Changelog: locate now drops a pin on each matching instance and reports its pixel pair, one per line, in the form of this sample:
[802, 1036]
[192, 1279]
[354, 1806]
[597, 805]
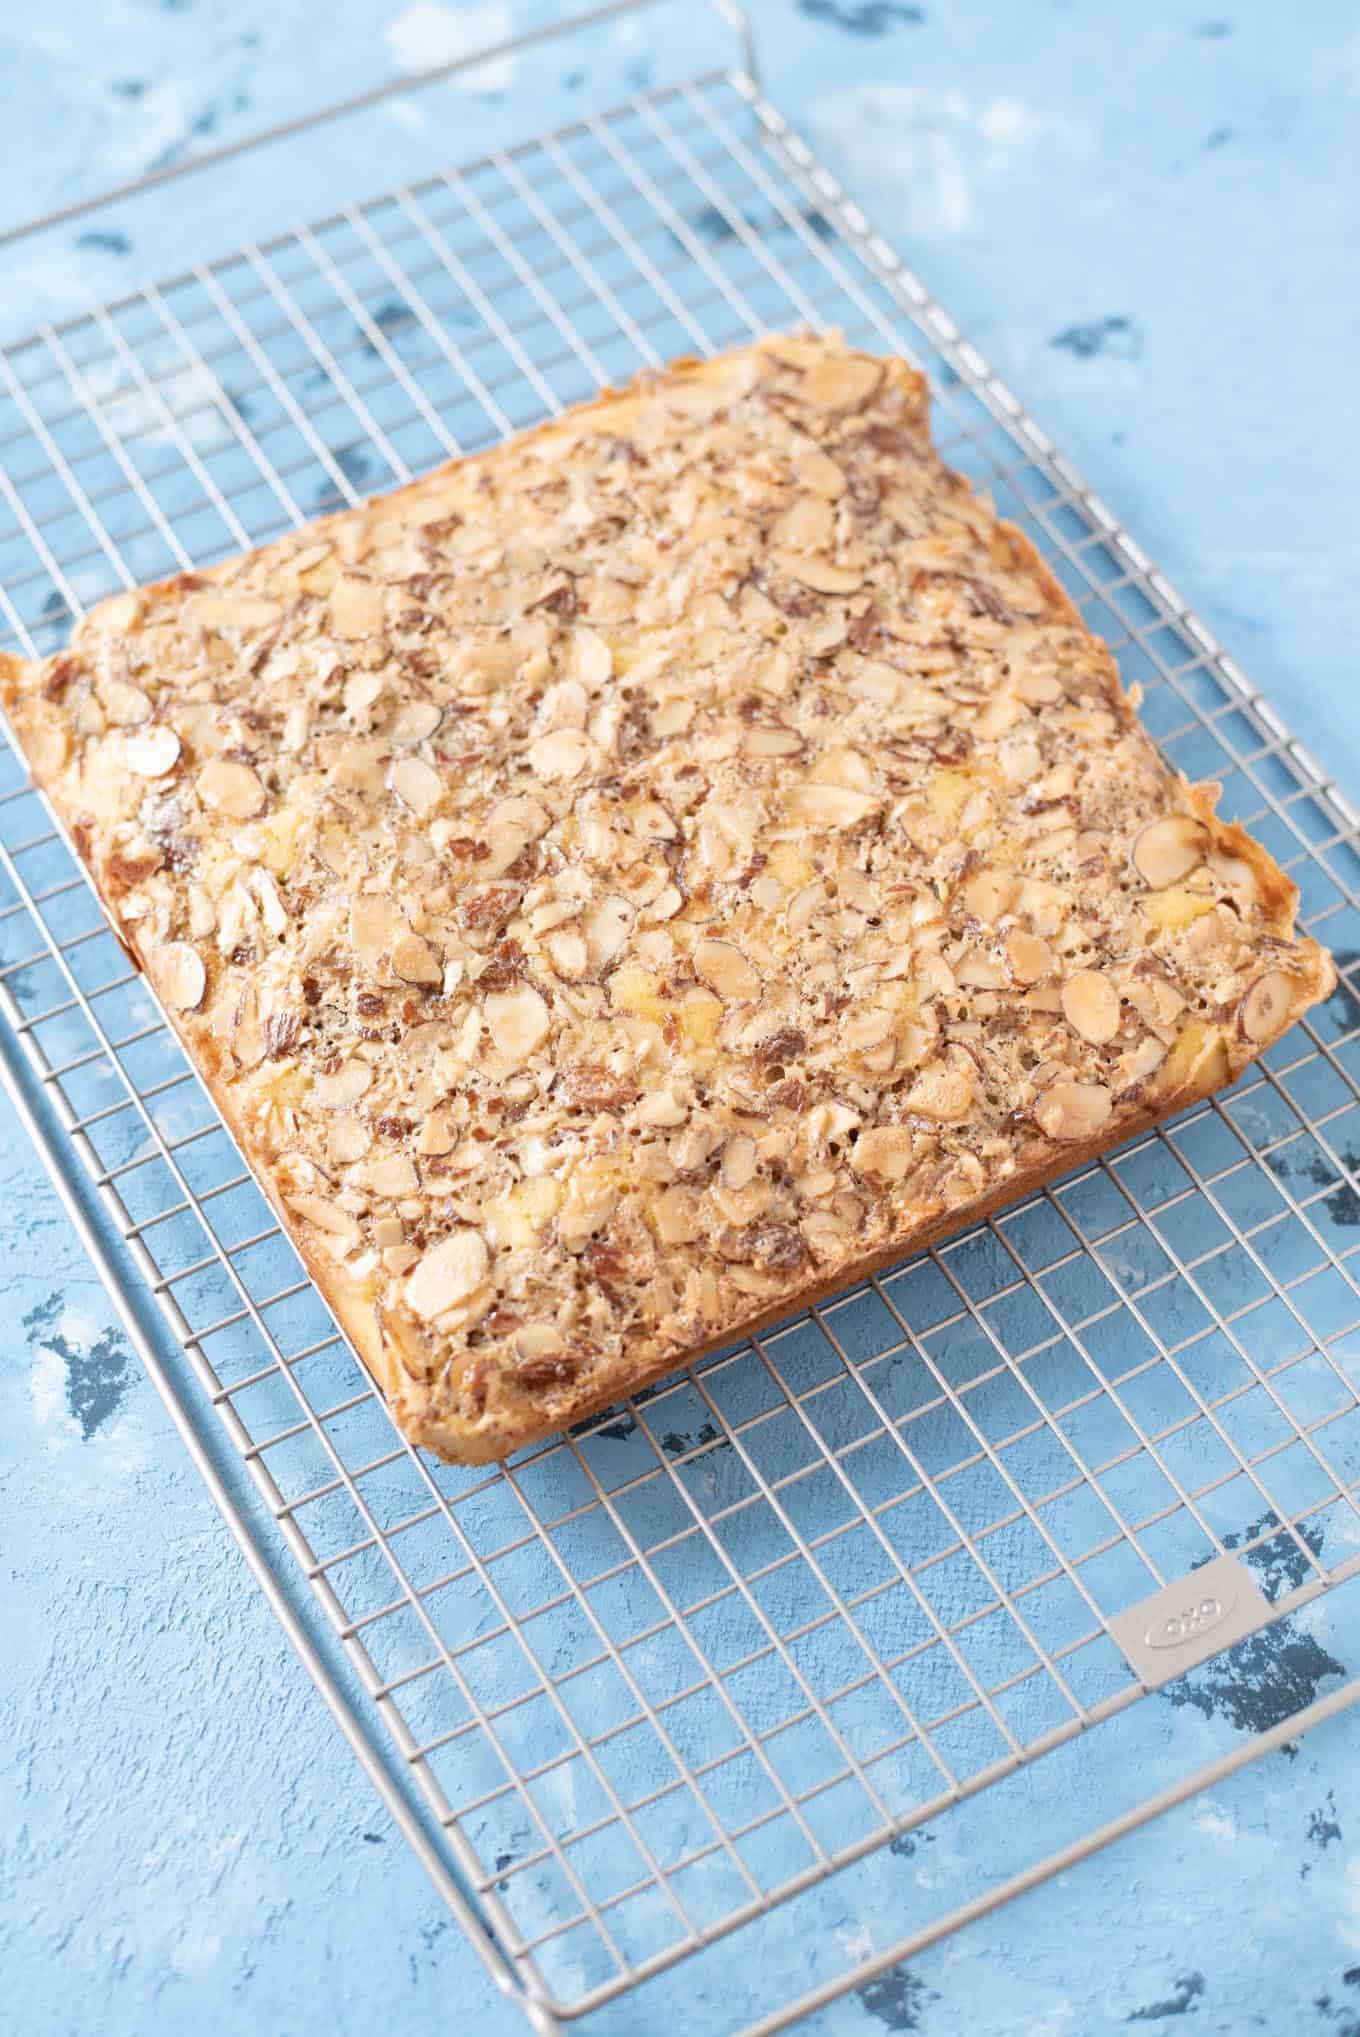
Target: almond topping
[945, 1088]
[221, 609]
[987, 894]
[357, 607]
[326, 1216]
[1029, 958]
[739, 1161]
[1073, 1110]
[338, 1091]
[725, 969]
[414, 722]
[883, 1152]
[567, 952]
[230, 788]
[1090, 1005]
[125, 705]
[823, 576]
[830, 806]
[449, 1272]
[152, 752]
[1167, 850]
[416, 783]
[562, 753]
[1266, 1006]
[677, 1215]
[843, 382]
[607, 926]
[415, 961]
[517, 1020]
[178, 975]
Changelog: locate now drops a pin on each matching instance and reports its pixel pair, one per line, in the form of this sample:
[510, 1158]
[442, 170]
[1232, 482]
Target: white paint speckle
[927, 151]
[428, 33]
[1214, 1823]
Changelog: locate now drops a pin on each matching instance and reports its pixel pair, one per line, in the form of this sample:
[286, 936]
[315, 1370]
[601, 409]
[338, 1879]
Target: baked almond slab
[633, 882]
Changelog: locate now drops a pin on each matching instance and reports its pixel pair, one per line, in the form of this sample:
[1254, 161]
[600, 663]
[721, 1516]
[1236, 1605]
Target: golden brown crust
[626, 887]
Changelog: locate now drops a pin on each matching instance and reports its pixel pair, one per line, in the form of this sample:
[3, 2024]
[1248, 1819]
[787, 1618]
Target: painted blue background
[1152, 234]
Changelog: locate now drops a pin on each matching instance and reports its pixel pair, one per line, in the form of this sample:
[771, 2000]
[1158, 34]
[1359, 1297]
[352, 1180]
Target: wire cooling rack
[684, 1684]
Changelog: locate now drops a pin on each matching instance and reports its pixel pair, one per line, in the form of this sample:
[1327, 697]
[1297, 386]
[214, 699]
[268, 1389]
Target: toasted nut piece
[230, 788]
[392, 1175]
[415, 961]
[124, 705]
[538, 1340]
[374, 923]
[1073, 1110]
[326, 1216]
[823, 576]
[152, 752]
[1029, 958]
[677, 1215]
[449, 1272]
[219, 608]
[562, 753]
[347, 1139]
[725, 969]
[178, 975]
[807, 525]
[945, 1088]
[883, 1152]
[739, 1161]
[1090, 1005]
[606, 927]
[516, 1019]
[987, 894]
[415, 721]
[1266, 1006]
[844, 382]
[819, 472]
[1038, 689]
[830, 806]
[349, 1082]
[361, 690]
[567, 952]
[1167, 850]
[416, 783]
[357, 607]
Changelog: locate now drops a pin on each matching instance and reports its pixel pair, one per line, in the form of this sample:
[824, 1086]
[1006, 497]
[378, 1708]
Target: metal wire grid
[659, 1677]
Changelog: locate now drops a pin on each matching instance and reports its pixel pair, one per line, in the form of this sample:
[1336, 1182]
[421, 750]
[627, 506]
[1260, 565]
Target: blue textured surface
[1154, 244]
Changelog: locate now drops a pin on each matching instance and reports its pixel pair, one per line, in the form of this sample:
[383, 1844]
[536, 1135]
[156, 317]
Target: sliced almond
[1168, 850]
[415, 721]
[1028, 958]
[562, 753]
[987, 894]
[841, 382]
[152, 752]
[945, 1089]
[221, 608]
[231, 788]
[819, 472]
[362, 689]
[739, 1161]
[415, 961]
[1073, 1110]
[606, 927]
[392, 1175]
[124, 705]
[347, 1139]
[416, 783]
[677, 1215]
[357, 607]
[807, 525]
[178, 975]
[449, 1272]
[822, 575]
[374, 924]
[883, 1152]
[436, 1135]
[725, 969]
[1090, 1005]
[830, 806]
[339, 1091]
[326, 1216]
[273, 911]
[567, 952]
[1038, 689]
[1266, 1006]
[517, 1020]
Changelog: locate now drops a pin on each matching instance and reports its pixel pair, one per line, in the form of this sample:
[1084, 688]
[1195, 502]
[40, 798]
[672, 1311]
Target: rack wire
[667, 1685]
